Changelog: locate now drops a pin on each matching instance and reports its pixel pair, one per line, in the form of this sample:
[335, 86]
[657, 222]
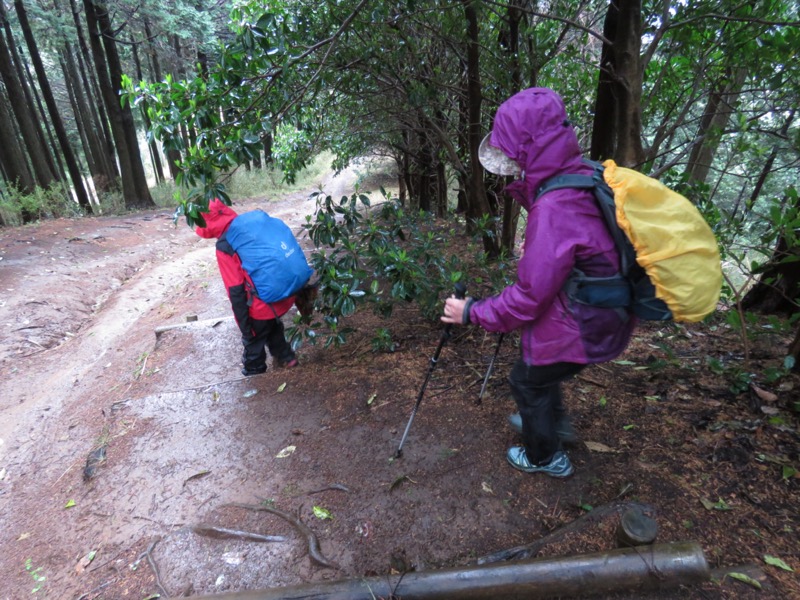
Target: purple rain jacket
[565, 230]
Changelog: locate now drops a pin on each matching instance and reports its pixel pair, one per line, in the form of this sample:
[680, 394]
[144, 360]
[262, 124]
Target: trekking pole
[491, 368]
[460, 293]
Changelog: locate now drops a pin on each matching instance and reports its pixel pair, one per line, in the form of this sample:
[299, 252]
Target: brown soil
[184, 436]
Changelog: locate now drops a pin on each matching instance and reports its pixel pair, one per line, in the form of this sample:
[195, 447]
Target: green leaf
[69, 504]
[745, 579]
[718, 505]
[322, 513]
[777, 562]
[282, 387]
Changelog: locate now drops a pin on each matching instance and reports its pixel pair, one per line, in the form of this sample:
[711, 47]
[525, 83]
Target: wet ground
[136, 462]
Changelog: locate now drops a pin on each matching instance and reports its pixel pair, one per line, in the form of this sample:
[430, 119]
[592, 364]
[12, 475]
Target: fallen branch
[590, 518]
[314, 551]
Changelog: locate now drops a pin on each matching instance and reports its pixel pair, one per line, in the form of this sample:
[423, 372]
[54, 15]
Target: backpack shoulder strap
[573, 180]
[605, 200]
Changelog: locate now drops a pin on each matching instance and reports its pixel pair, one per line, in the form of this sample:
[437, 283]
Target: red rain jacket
[236, 280]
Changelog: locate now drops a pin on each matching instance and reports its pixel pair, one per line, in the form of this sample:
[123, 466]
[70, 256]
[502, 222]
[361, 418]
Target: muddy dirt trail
[112, 437]
[139, 465]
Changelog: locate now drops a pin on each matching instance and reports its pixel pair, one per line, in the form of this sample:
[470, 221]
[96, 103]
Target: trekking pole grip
[461, 291]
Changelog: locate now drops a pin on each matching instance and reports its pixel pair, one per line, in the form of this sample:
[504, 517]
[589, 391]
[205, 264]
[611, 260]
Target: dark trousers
[537, 391]
[269, 335]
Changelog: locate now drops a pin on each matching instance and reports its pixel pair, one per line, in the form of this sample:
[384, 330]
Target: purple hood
[564, 231]
[532, 128]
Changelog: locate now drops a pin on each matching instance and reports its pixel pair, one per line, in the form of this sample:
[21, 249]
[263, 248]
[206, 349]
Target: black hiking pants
[269, 335]
[537, 391]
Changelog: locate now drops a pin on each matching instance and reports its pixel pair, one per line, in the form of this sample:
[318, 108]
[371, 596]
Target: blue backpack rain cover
[270, 254]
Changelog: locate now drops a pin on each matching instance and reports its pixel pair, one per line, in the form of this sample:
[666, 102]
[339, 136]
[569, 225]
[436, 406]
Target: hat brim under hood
[495, 161]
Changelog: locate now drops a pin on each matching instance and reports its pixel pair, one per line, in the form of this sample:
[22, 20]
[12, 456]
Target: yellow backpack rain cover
[673, 243]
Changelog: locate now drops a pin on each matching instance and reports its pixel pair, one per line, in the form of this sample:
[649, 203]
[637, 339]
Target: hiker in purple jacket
[532, 140]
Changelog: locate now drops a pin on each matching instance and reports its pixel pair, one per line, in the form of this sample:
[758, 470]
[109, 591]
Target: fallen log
[593, 517]
[657, 567]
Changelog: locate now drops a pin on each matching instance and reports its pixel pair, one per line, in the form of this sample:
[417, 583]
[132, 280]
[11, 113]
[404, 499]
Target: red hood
[217, 219]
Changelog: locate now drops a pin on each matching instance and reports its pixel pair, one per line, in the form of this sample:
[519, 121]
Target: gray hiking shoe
[560, 466]
[564, 429]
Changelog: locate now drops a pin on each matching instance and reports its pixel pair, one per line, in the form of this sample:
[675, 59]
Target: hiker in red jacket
[258, 321]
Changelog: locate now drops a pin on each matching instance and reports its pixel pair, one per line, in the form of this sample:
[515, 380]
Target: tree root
[149, 554]
[222, 533]
[314, 551]
[590, 518]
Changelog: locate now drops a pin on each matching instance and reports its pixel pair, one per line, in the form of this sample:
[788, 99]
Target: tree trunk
[794, 350]
[477, 202]
[55, 115]
[721, 105]
[511, 208]
[617, 130]
[767, 168]
[628, 84]
[109, 73]
[92, 144]
[37, 152]
[778, 286]
[12, 156]
[173, 154]
[605, 108]
[441, 190]
[99, 120]
[39, 115]
[155, 155]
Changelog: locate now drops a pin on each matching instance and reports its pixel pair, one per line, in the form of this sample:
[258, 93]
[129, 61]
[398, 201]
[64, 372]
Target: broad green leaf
[69, 504]
[777, 562]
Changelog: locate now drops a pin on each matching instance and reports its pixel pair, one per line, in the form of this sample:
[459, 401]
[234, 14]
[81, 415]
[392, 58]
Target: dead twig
[314, 551]
[333, 486]
[590, 380]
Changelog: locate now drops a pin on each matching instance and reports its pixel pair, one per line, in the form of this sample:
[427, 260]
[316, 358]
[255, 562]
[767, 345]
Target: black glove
[465, 315]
